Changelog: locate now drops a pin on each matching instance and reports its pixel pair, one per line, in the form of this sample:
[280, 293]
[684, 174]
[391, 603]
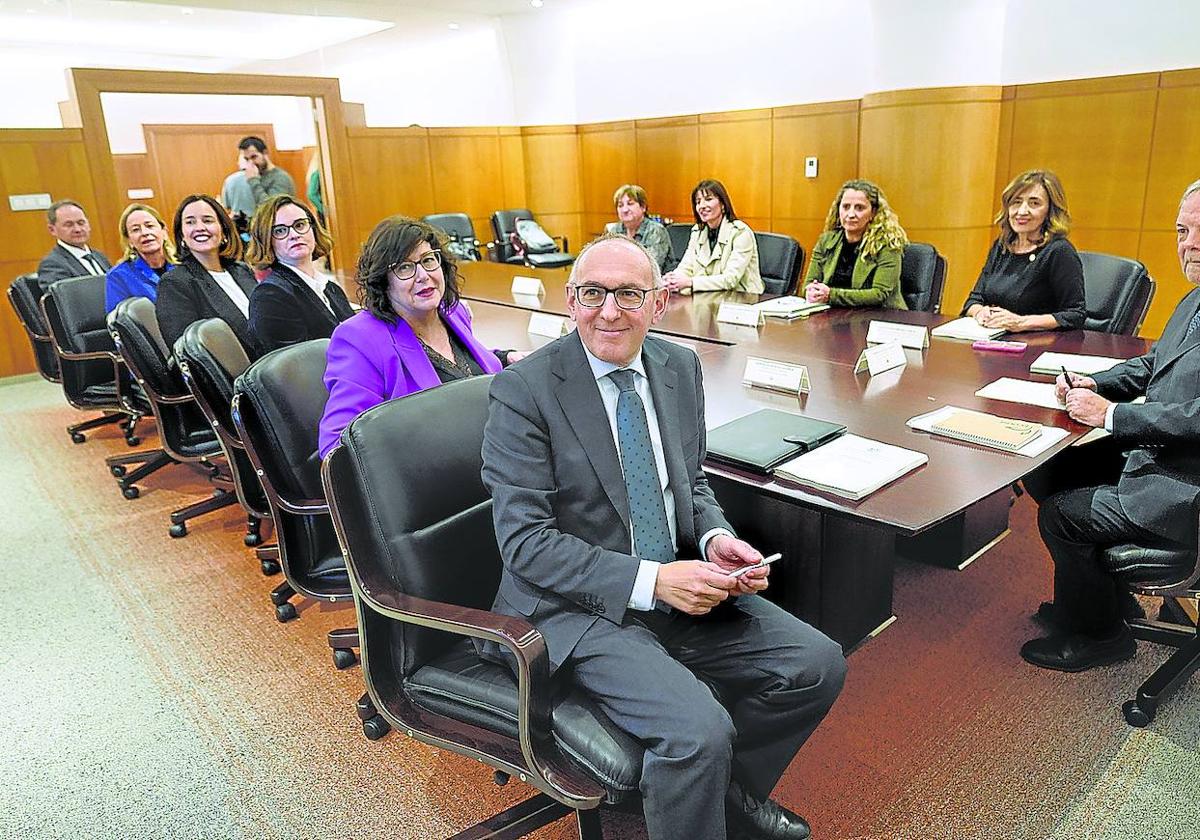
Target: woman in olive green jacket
[856, 261]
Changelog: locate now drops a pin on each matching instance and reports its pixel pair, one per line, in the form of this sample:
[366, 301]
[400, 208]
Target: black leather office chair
[509, 248]
[25, 294]
[415, 522]
[1171, 573]
[779, 260]
[1117, 292]
[94, 377]
[184, 432]
[276, 408]
[679, 233]
[210, 358]
[922, 277]
[460, 230]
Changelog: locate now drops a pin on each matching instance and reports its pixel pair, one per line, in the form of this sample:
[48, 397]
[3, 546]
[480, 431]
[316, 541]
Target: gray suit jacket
[560, 504]
[60, 264]
[1161, 478]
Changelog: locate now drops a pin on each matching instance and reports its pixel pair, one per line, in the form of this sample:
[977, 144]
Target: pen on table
[1067, 379]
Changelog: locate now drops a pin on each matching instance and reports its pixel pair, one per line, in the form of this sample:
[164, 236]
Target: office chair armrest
[527, 645]
[72, 356]
[303, 507]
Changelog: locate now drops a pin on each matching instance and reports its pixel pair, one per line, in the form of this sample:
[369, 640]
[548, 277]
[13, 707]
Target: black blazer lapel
[316, 313]
[579, 396]
[337, 298]
[663, 384]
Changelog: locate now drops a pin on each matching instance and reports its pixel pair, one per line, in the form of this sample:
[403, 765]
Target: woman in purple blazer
[413, 333]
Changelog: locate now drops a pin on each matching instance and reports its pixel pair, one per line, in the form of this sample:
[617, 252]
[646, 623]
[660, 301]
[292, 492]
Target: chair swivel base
[528, 816]
[1179, 666]
[76, 430]
[268, 558]
[179, 519]
[253, 532]
[150, 460]
[343, 641]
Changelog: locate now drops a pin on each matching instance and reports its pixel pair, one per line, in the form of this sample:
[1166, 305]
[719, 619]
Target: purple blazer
[370, 361]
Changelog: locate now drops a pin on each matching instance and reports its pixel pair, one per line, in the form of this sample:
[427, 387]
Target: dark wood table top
[948, 372]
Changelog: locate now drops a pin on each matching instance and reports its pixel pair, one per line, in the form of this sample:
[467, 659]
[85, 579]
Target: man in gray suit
[70, 256]
[1139, 485]
[616, 550]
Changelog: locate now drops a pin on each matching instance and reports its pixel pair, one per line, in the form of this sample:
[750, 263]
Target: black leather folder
[761, 441]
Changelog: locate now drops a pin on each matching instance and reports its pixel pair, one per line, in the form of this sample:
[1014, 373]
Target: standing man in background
[264, 178]
[70, 256]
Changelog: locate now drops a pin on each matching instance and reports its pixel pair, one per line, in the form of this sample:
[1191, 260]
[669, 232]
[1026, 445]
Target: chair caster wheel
[117, 470]
[285, 612]
[132, 492]
[376, 727]
[500, 778]
[251, 540]
[133, 441]
[78, 437]
[343, 659]
[178, 531]
[269, 567]
[1136, 715]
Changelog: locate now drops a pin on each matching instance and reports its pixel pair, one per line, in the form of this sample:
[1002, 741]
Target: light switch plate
[810, 167]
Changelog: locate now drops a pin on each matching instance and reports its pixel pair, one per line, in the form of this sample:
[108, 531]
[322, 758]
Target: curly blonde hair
[883, 232]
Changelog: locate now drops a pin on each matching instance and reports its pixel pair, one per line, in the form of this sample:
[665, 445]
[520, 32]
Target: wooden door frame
[84, 87]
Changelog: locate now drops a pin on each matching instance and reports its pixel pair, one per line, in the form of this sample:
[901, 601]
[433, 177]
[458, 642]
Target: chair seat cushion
[550, 260]
[198, 443]
[462, 686]
[1150, 565]
[102, 395]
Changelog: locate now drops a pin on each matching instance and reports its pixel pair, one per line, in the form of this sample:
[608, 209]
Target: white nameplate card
[777, 376]
[551, 326]
[881, 357]
[527, 286]
[909, 335]
[740, 313]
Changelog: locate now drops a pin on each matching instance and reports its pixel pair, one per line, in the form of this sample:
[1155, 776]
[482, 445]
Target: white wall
[126, 113]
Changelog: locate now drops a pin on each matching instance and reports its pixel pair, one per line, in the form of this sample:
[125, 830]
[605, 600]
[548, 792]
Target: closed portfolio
[760, 441]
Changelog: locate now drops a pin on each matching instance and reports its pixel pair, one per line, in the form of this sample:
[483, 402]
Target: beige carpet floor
[146, 690]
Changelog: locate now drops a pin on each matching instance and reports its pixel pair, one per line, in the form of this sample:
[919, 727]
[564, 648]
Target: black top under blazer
[284, 310]
[188, 293]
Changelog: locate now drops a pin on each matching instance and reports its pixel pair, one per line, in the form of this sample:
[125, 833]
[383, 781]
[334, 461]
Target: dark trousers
[776, 675]
[1079, 515]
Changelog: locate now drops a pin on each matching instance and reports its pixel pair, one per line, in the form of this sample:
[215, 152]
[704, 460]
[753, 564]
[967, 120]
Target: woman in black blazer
[294, 302]
[209, 281]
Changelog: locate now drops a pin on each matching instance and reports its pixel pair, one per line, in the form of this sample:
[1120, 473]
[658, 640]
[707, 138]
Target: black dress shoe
[1048, 616]
[1077, 652]
[749, 818]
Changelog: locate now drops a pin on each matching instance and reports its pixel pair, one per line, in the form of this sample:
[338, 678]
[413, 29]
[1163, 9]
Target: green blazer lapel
[864, 270]
[579, 397]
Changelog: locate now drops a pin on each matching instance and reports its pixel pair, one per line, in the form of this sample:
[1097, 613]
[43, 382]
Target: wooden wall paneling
[1159, 251]
[1008, 108]
[1175, 149]
[607, 159]
[394, 169]
[668, 161]
[933, 152]
[735, 149]
[133, 173]
[828, 131]
[211, 153]
[552, 180]
[295, 163]
[1095, 134]
[468, 174]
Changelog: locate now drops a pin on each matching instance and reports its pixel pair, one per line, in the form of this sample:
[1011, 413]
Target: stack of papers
[966, 329]
[1053, 364]
[851, 466]
[789, 306]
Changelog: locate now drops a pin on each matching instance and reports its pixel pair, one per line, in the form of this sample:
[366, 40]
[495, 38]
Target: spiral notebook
[987, 429]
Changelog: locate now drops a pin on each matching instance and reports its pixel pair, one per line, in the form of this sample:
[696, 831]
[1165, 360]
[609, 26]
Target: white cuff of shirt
[1108, 417]
[642, 597]
[708, 536]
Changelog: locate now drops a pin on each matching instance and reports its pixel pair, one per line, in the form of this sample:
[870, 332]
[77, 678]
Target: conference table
[838, 555]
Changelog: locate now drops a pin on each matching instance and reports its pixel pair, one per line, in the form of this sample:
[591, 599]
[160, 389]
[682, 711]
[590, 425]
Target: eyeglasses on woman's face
[407, 269]
[301, 226]
[626, 297]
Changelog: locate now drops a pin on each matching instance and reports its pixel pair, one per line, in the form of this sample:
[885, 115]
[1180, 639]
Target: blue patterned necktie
[651, 536]
[1193, 325]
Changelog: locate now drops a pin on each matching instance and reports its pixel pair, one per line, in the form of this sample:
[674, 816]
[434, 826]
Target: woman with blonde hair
[856, 261]
[295, 302]
[147, 255]
[1032, 278]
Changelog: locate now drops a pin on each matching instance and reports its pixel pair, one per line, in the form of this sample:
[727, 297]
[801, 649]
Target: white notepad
[789, 306]
[1053, 364]
[851, 466]
[966, 329]
[1021, 391]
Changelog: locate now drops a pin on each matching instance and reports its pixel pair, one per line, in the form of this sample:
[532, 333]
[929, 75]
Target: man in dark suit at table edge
[70, 256]
[601, 554]
[1139, 485]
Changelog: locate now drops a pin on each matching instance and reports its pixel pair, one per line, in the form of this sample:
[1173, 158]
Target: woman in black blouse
[1032, 278]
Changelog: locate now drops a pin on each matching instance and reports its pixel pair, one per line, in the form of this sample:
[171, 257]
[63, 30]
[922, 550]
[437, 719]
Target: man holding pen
[1139, 485]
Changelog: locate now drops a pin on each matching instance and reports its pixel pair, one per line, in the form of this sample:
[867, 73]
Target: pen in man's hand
[1067, 379]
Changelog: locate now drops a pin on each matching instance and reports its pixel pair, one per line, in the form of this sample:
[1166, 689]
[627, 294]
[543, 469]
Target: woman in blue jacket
[148, 255]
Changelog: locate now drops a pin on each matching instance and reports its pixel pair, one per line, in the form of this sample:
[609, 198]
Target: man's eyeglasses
[407, 270]
[626, 297]
[301, 226]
